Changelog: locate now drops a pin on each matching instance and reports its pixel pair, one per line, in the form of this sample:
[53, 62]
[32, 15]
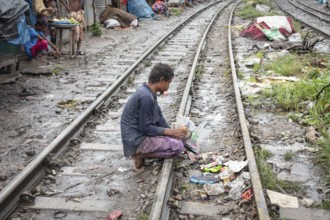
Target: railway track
[311, 17]
[92, 178]
[312, 8]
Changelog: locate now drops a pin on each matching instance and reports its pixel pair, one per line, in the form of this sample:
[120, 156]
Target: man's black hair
[159, 71]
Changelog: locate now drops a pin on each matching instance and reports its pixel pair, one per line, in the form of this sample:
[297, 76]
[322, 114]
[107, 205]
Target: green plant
[175, 11]
[147, 63]
[288, 95]
[57, 70]
[96, 29]
[259, 55]
[199, 72]
[143, 216]
[288, 155]
[264, 153]
[322, 157]
[248, 12]
[325, 204]
[256, 67]
[240, 75]
[296, 25]
[288, 65]
[313, 73]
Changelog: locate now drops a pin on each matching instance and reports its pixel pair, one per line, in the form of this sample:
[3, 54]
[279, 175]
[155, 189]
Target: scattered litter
[236, 188]
[214, 169]
[207, 155]
[191, 138]
[251, 61]
[248, 194]
[236, 166]
[60, 215]
[122, 169]
[210, 165]
[246, 175]
[204, 178]
[114, 215]
[112, 192]
[26, 92]
[226, 175]
[214, 189]
[296, 37]
[262, 8]
[94, 167]
[68, 104]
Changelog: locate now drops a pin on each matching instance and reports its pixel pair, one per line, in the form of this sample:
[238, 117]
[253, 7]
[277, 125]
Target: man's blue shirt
[141, 117]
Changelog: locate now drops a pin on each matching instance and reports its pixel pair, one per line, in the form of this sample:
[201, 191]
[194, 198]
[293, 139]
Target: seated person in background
[159, 7]
[38, 42]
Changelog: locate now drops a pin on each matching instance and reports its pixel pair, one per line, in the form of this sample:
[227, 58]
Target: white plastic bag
[191, 140]
[110, 23]
[135, 23]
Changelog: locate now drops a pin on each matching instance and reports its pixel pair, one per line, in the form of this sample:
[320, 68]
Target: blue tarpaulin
[139, 8]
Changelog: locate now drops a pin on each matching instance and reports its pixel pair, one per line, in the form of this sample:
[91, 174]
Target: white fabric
[134, 23]
[110, 23]
[276, 22]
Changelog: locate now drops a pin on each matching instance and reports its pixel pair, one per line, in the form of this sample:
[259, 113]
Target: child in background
[38, 42]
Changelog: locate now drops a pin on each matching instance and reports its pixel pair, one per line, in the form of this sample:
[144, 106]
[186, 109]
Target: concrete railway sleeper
[92, 179]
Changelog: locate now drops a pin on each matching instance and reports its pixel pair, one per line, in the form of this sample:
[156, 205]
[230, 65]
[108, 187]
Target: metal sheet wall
[99, 6]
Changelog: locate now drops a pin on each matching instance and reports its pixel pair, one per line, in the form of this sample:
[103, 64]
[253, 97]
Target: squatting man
[144, 131]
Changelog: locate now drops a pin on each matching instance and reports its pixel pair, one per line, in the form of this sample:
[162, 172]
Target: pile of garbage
[219, 175]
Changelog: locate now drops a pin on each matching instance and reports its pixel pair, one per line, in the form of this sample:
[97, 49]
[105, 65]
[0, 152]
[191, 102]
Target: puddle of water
[278, 149]
[300, 169]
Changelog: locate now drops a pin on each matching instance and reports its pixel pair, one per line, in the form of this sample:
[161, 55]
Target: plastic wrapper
[191, 140]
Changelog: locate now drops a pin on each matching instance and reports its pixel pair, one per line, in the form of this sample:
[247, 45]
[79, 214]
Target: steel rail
[283, 9]
[309, 10]
[312, 8]
[33, 172]
[160, 209]
[255, 178]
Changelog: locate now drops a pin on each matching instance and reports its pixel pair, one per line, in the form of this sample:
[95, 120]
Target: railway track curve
[312, 18]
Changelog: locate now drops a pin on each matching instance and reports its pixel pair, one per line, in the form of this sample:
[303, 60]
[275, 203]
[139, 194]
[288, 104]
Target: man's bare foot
[138, 164]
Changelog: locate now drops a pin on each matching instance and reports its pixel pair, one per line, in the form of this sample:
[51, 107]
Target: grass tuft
[288, 155]
[96, 29]
[323, 156]
[175, 11]
[288, 65]
[269, 178]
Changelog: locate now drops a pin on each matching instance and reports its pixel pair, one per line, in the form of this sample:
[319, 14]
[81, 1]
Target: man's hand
[179, 132]
[57, 53]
